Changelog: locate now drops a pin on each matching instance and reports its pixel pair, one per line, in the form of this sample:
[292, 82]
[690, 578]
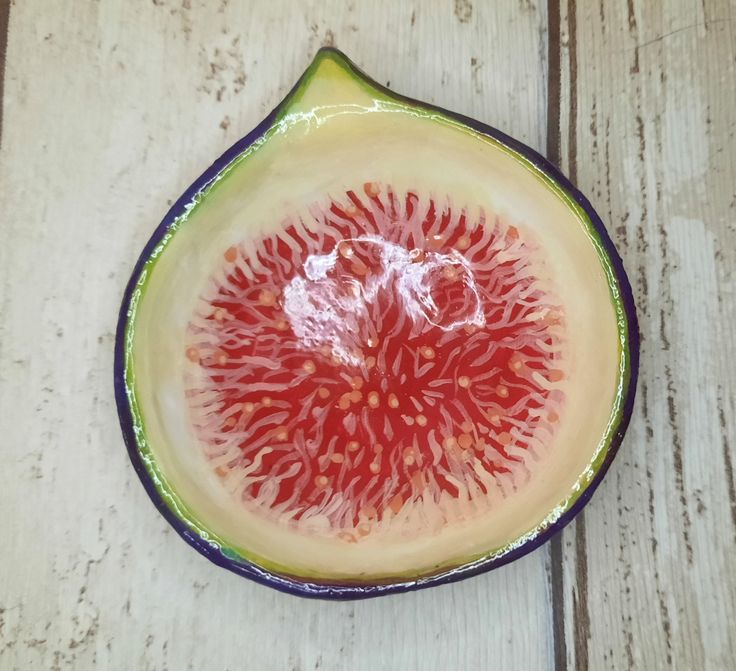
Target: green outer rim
[389, 101]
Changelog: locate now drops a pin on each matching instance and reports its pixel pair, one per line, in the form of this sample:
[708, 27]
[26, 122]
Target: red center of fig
[386, 354]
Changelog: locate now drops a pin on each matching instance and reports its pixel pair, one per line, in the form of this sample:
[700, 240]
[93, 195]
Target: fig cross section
[386, 361]
[376, 346]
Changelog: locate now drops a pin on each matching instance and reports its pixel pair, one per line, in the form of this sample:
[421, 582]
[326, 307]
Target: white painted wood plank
[111, 108]
[650, 569]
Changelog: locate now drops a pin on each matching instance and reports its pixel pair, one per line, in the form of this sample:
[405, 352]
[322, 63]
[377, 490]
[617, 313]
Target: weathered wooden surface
[647, 130]
[110, 108]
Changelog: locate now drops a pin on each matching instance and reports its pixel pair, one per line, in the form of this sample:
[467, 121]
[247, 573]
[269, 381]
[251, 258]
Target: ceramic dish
[376, 346]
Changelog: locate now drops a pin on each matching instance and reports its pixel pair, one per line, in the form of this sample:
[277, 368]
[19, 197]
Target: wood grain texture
[647, 131]
[110, 109]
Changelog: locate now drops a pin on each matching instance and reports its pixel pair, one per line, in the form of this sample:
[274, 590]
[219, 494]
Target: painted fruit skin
[351, 590]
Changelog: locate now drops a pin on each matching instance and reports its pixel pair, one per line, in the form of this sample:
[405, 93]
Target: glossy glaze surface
[289, 476]
[390, 362]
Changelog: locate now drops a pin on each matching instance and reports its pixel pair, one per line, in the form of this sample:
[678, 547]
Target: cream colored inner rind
[316, 156]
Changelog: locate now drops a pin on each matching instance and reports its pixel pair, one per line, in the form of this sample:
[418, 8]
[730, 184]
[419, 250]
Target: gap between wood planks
[4, 22]
[553, 150]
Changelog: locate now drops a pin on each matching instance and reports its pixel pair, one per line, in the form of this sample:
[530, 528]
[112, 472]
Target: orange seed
[396, 503]
[515, 363]
[450, 273]
[372, 189]
[267, 298]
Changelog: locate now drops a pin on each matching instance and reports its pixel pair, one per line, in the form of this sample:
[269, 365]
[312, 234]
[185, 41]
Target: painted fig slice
[376, 346]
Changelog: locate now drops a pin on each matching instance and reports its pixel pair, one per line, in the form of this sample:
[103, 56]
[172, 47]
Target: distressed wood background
[111, 107]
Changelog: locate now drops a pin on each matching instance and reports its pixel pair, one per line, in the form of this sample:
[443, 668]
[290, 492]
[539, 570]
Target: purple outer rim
[337, 591]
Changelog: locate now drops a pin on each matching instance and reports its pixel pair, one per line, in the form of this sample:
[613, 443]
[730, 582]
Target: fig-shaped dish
[376, 346]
